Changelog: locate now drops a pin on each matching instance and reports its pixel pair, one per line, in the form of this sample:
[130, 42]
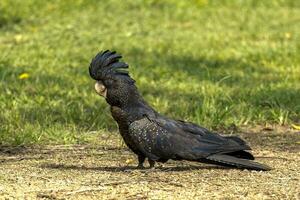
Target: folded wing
[162, 139]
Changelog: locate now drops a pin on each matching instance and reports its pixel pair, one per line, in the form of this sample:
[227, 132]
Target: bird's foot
[151, 163]
[141, 160]
[140, 166]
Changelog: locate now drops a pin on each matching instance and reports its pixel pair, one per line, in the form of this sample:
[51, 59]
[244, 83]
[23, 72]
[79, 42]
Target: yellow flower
[296, 126]
[19, 38]
[24, 76]
[288, 35]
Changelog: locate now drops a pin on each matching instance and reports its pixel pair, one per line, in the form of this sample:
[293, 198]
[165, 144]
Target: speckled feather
[169, 140]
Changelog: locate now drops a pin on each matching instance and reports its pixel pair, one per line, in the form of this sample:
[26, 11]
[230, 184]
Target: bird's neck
[132, 110]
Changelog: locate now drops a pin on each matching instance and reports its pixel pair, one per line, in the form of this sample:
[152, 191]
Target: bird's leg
[151, 163]
[141, 159]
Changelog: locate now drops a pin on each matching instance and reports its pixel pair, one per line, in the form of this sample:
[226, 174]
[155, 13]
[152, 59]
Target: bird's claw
[152, 164]
[140, 166]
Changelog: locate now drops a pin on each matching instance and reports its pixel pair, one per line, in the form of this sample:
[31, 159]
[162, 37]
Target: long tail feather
[241, 154]
[227, 160]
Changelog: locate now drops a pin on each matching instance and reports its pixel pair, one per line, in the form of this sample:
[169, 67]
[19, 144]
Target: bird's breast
[119, 116]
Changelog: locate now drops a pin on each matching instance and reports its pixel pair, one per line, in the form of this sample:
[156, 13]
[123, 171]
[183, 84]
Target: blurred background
[223, 64]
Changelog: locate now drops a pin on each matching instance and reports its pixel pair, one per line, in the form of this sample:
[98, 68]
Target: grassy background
[217, 63]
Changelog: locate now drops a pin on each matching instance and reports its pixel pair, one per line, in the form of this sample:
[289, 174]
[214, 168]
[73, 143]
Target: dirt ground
[106, 171]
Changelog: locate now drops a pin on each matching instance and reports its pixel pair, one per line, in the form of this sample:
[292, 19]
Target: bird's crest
[106, 64]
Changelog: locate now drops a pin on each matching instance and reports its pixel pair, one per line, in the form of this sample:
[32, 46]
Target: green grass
[216, 63]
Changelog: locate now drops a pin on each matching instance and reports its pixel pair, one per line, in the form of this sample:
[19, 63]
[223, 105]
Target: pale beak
[100, 89]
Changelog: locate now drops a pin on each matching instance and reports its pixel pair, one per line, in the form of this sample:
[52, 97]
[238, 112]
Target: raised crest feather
[106, 64]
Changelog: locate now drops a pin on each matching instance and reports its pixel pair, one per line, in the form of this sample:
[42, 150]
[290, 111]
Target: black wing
[160, 138]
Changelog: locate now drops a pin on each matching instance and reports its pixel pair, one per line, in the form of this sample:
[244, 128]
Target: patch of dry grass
[106, 171]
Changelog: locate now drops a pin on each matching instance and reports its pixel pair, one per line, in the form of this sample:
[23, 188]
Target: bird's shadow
[130, 168]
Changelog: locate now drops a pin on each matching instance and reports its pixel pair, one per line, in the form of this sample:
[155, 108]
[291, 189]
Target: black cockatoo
[154, 136]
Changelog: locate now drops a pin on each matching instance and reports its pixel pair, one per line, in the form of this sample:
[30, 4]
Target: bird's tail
[227, 160]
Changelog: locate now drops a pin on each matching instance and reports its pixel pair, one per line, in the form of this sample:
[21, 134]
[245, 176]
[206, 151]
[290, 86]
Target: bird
[156, 137]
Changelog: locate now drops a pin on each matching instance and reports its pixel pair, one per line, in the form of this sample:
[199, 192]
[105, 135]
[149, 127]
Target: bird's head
[112, 79]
